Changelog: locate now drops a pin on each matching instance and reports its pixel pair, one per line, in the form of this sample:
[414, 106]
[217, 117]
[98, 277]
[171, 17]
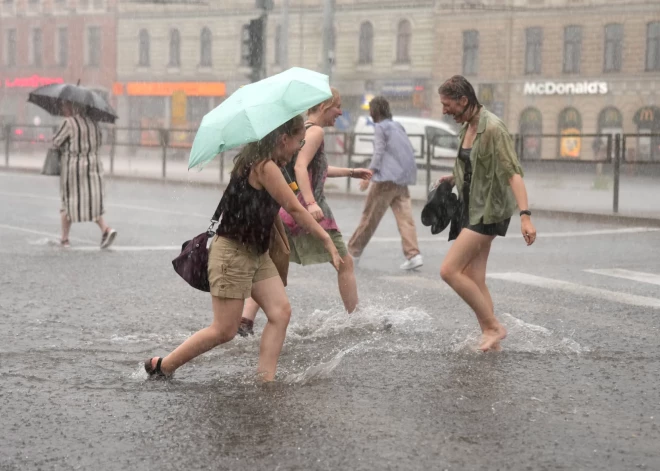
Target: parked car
[421, 131]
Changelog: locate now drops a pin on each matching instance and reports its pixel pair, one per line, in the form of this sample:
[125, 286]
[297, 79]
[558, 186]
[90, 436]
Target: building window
[610, 122]
[653, 46]
[570, 128]
[572, 49]
[206, 48]
[366, 52]
[403, 40]
[175, 48]
[91, 4]
[278, 45]
[647, 120]
[10, 48]
[143, 39]
[613, 48]
[94, 46]
[533, 47]
[531, 129]
[62, 47]
[37, 47]
[470, 52]
[245, 45]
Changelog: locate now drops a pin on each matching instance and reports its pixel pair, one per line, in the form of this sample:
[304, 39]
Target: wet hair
[324, 105]
[380, 108]
[458, 87]
[260, 151]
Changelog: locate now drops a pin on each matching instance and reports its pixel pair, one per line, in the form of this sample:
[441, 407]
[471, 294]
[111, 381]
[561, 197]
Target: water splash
[369, 318]
[321, 370]
[522, 337]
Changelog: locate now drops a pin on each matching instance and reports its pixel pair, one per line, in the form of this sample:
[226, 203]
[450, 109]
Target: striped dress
[81, 177]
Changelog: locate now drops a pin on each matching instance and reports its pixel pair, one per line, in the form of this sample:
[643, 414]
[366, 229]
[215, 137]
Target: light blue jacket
[394, 157]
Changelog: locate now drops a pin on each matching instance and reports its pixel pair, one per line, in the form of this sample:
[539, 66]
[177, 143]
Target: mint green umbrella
[254, 110]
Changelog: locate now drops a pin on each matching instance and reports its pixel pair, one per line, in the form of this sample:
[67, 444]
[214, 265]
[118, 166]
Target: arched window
[570, 126]
[403, 40]
[175, 48]
[145, 46]
[610, 122]
[366, 43]
[206, 48]
[647, 120]
[531, 128]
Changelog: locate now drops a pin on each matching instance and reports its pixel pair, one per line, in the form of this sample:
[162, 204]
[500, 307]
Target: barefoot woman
[489, 181]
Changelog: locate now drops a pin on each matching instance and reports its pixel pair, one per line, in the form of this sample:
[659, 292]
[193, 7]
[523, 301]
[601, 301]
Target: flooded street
[396, 385]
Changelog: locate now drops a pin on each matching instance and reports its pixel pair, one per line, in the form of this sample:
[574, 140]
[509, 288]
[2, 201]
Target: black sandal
[246, 327]
[154, 372]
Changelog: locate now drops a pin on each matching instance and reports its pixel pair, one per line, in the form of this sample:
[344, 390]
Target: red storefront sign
[31, 82]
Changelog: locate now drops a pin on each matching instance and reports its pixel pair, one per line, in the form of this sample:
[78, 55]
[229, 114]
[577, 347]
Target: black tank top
[248, 214]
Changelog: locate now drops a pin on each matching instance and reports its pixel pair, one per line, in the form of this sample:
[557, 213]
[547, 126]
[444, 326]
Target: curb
[611, 218]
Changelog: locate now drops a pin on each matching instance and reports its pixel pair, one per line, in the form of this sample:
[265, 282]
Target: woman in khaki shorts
[239, 264]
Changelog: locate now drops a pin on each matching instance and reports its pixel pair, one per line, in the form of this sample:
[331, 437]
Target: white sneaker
[413, 263]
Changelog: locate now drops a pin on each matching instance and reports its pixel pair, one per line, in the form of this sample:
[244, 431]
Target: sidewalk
[580, 192]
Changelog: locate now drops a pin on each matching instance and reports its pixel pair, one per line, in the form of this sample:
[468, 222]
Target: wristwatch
[525, 211]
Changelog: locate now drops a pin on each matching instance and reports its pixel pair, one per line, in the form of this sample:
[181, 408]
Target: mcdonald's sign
[648, 117]
[611, 116]
[570, 118]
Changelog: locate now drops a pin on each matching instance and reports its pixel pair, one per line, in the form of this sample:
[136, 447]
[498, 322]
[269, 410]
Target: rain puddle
[317, 344]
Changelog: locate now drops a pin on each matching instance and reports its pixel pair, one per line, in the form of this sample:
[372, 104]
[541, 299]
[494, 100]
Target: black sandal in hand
[155, 373]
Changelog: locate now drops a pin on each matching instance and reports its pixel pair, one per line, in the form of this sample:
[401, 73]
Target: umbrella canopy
[255, 110]
[50, 98]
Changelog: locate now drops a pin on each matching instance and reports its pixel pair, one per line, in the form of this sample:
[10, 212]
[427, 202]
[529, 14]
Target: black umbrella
[50, 98]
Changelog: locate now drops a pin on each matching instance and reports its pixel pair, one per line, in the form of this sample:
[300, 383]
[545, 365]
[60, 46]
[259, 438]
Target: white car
[421, 131]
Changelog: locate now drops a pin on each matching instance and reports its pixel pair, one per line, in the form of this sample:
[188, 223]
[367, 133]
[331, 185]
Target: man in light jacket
[394, 168]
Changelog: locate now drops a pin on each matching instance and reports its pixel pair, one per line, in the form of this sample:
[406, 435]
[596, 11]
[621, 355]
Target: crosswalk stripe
[581, 290]
[627, 274]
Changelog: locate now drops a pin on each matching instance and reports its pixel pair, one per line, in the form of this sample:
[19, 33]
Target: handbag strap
[218, 213]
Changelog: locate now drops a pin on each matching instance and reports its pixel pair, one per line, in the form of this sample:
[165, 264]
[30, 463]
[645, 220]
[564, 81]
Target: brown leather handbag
[279, 249]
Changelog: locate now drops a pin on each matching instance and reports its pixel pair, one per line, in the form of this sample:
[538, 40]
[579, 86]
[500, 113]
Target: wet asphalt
[397, 385]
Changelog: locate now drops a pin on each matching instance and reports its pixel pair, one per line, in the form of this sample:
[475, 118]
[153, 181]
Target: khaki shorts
[234, 267]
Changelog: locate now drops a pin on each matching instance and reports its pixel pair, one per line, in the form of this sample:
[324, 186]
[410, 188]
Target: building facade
[53, 41]
[176, 62]
[560, 68]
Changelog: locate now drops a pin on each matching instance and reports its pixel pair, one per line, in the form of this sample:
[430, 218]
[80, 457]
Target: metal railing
[171, 145]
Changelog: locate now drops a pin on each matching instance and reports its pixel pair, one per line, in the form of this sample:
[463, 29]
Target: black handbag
[192, 264]
[52, 164]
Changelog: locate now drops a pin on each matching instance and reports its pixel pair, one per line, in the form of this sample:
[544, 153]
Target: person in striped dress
[81, 176]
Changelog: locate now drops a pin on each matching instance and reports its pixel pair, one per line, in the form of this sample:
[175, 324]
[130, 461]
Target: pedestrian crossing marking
[581, 290]
[627, 274]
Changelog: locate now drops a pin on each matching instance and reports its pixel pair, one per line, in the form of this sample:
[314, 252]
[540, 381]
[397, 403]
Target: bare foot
[490, 340]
